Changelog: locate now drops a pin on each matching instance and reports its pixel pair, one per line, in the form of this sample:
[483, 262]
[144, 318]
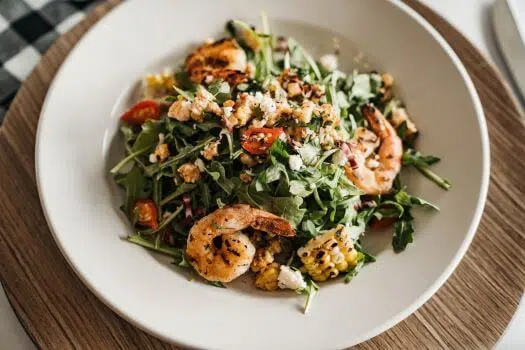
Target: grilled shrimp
[223, 59]
[376, 176]
[217, 248]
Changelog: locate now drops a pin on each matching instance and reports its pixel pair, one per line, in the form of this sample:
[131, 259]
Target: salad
[254, 157]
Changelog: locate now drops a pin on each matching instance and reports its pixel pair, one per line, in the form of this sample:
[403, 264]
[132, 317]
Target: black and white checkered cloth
[27, 30]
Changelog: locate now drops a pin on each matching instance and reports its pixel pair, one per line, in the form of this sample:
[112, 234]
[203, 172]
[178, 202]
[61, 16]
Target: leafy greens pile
[315, 198]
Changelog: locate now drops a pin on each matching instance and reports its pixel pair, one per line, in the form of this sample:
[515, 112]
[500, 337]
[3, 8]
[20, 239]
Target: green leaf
[355, 270]
[149, 136]
[137, 186]
[183, 188]
[403, 235]
[300, 188]
[405, 199]
[288, 208]
[208, 125]
[176, 253]
[205, 195]
[244, 34]
[216, 284]
[422, 164]
[279, 150]
[183, 153]
[128, 132]
[310, 291]
[225, 183]
[180, 129]
[294, 47]
[366, 256]
[164, 222]
[186, 94]
[389, 209]
[309, 227]
[131, 157]
[308, 153]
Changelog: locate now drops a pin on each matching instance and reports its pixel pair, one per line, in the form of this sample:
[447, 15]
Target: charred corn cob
[268, 277]
[156, 85]
[323, 257]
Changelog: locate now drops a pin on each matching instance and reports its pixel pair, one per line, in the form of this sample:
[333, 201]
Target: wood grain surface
[469, 312]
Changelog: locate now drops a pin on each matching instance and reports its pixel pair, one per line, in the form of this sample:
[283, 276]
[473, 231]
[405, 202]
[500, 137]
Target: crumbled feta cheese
[224, 88]
[152, 158]
[268, 105]
[200, 164]
[208, 79]
[227, 111]
[259, 97]
[290, 279]
[361, 87]
[329, 62]
[339, 158]
[295, 162]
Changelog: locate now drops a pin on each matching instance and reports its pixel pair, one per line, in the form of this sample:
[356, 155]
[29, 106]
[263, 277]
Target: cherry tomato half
[141, 112]
[146, 212]
[259, 140]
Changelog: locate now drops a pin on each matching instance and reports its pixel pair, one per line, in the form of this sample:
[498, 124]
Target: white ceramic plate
[77, 144]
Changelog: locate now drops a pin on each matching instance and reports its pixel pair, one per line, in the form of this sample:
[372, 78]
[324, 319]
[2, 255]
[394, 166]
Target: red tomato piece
[259, 140]
[142, 111]
[146, 212]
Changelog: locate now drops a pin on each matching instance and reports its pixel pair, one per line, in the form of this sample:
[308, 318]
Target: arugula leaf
[279, 150]
[137, 186]
[308, 153]
[389, 209]
[308, 226]
[423, 163]
[226, 184]
[128, 132]
[183, 188]
[164, 222]
[298, 50]
[180, 128]
[188, 95]
[183, 153]
[149, 136]
[205, 195]
[216, 284]
[300, 188]
[273, 173]
[180, 260]
[176, 253]
[311, 289]
[366, 256]
[131, 157]
[406, 199]
[208, 125]
[288, 208]
[403, 235]
[355, 270]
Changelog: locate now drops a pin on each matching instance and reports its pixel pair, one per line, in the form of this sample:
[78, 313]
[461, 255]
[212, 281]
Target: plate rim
[415, 305]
